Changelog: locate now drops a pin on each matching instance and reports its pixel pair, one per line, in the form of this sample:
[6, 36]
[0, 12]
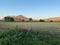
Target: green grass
[24, 37]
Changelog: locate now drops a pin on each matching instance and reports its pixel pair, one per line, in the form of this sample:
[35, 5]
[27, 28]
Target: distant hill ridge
[21, 17]
[1, 18]
[54, 19]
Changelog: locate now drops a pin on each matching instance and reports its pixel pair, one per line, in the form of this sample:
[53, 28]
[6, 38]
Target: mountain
[1, 19]
[54, 19]
[19, 17]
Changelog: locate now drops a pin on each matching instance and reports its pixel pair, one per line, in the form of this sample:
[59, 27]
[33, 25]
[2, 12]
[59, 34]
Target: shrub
[51, 21]
[41, 20]
[30, 19]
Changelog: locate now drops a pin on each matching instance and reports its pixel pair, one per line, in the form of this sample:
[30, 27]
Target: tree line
[10, 19]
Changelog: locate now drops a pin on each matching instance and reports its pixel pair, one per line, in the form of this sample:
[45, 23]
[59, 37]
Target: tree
[23, 20]
[30, 19]
[11, 19]
[51, 21]
[8, 19]
[41, 20]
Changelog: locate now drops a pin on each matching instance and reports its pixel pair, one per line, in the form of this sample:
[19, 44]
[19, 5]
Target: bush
[30, 19]
[41, 20]
[51, 21]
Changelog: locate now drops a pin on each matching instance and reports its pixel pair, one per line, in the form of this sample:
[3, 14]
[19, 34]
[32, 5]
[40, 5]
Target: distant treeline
[10, 19]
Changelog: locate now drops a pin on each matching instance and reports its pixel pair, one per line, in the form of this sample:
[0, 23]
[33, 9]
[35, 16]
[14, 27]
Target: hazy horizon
[30, 8]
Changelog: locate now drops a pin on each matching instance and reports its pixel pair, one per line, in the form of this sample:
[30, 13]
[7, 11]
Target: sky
[30, 8]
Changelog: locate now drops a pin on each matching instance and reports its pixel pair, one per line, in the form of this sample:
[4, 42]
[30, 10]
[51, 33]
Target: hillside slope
[54, 19]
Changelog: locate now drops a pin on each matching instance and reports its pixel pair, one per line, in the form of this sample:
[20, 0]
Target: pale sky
[30, 8]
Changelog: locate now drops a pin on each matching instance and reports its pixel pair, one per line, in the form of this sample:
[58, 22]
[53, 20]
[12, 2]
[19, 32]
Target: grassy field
[41, 26]
[30, 33]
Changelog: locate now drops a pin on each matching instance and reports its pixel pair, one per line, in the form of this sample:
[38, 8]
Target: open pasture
[40, 26]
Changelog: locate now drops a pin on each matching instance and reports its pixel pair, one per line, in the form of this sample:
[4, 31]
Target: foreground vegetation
[25, 37]
[29, 33]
